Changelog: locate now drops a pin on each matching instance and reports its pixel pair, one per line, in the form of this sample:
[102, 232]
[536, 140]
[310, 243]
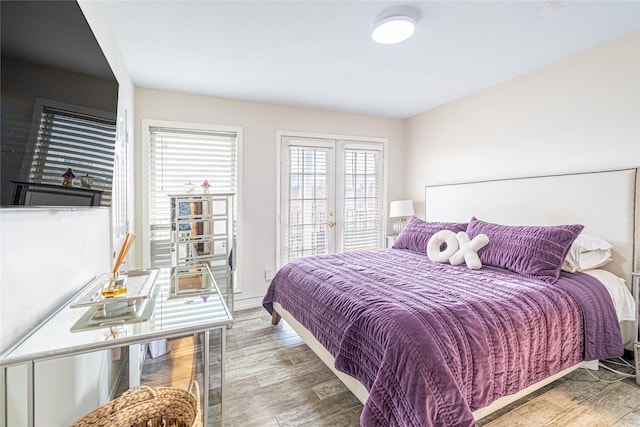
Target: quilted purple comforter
[433, 342]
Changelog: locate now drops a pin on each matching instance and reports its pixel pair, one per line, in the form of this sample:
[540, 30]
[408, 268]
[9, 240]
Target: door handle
[331, 224]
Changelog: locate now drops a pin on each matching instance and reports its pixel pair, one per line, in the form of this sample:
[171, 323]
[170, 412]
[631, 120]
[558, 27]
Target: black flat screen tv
[59, 107]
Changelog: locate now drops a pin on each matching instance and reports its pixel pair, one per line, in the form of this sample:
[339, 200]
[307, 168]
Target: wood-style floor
[273, 379]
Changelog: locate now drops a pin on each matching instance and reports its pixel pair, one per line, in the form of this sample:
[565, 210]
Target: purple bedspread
[433, 342]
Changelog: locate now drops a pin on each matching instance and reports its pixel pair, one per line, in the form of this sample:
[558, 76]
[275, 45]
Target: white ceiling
[320, 54]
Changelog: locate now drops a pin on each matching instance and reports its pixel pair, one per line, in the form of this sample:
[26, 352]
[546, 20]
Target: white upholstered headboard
[605, 202]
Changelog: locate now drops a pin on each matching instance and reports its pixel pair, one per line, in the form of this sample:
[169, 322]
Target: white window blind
[83, 142]
[178, 156]
[309, 201]
[362, 199]
[331, 196]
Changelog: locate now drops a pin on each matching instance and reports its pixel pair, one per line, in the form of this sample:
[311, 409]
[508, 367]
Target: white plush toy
[435, 249]
[468, 250]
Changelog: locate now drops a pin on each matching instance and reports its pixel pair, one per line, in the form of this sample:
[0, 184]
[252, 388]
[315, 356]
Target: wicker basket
[148, 407]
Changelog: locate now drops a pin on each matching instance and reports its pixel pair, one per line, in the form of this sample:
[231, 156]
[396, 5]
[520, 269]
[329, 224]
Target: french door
[331, 196]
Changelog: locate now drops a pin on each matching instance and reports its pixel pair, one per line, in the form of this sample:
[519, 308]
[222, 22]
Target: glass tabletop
[184, 301]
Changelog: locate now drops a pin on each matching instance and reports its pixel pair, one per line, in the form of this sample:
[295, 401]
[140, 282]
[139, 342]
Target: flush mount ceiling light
[394, 25]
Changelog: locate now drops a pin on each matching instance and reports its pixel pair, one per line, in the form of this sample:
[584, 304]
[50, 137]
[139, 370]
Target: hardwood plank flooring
[274, 379]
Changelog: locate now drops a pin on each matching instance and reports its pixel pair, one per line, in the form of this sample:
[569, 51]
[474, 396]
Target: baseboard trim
[247, 303]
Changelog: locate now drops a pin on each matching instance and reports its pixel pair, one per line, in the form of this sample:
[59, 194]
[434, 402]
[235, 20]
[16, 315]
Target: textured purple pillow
[416, 234]
[533, 251]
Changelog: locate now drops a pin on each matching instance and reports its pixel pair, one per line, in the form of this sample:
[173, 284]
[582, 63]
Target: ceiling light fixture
[395, 24]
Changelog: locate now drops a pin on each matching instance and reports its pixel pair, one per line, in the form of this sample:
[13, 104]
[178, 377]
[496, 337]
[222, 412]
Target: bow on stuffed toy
[447, 246]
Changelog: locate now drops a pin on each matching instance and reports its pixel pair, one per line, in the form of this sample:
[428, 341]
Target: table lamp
[400, 209]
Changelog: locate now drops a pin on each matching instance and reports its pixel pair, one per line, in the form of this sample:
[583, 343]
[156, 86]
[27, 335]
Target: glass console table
[183, 302]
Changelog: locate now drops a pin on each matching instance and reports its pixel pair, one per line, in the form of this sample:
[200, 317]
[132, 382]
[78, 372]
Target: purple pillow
[416, 234]
[533, 251]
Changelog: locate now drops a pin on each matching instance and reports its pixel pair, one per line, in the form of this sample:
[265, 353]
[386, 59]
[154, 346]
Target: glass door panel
[308, 204]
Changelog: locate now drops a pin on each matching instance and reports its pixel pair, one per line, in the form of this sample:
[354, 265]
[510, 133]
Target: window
[309, 201]
[68, 137]
[178, 154]
[121, 198]
[362, 199]
[331, 196]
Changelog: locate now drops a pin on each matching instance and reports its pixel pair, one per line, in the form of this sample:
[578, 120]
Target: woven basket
[148, 407]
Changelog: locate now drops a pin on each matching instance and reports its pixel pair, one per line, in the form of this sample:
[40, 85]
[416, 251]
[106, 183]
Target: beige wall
[578, 114]
[260, 122]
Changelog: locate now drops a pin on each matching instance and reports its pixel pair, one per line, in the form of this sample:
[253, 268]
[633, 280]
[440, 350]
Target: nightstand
[391, 239]
[635, 290]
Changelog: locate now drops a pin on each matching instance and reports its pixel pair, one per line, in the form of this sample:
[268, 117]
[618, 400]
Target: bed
[424, 343]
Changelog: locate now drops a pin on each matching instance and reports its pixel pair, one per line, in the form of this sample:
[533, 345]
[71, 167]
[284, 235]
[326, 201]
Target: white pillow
[442, 245]
[456, 248]
[586, 253]
[623, 301]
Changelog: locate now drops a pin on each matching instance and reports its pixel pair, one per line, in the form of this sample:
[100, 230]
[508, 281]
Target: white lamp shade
[401, 208]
